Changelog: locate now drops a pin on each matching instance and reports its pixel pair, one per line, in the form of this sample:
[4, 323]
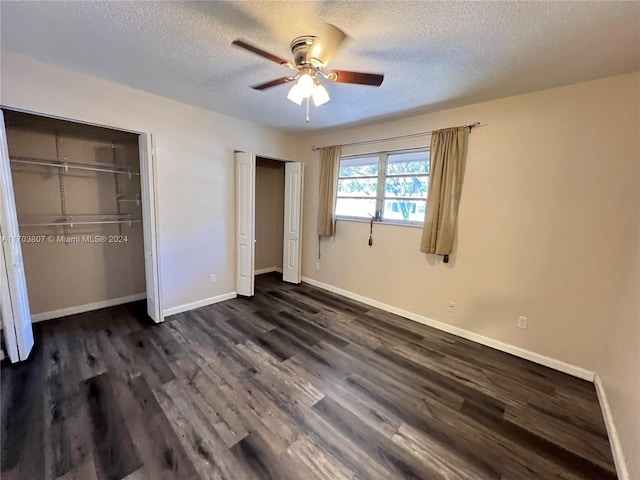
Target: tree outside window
[395, 183]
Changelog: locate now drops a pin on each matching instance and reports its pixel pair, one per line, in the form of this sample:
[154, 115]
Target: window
[393, 183]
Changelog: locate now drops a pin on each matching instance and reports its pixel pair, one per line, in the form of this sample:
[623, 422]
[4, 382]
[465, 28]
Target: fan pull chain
[307, 119]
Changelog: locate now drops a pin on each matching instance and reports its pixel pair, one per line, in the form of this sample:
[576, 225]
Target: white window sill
[395, 223]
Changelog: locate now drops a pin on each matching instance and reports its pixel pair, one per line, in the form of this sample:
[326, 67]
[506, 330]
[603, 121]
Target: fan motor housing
[301, 48]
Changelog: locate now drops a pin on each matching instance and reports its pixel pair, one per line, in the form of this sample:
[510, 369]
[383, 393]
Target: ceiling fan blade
[327, 43]
[273, 83]
[344, 76]
[258, 51]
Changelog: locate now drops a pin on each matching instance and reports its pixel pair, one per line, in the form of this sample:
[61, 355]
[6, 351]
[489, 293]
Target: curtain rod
[411, 135]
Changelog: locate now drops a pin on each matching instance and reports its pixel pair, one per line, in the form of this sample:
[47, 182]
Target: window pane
[406, 210]
[357, 187]
[406, 187]
[359, 166]
[407, 163]
[355, 207]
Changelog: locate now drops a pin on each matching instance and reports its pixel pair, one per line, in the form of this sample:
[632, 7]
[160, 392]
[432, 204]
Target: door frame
[235, 206]
[150, 163]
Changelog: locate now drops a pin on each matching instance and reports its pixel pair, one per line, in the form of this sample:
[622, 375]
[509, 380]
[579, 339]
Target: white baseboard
[268, 270]
[460, 332]
[612, 431]
[63, 312]
[200, 303]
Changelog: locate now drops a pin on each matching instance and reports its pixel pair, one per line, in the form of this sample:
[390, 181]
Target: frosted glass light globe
[305, 85]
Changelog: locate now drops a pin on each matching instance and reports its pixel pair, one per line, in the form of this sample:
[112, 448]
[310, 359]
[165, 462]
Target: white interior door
[245, 177]
[16, 316]
[149, 217]
[291, 255]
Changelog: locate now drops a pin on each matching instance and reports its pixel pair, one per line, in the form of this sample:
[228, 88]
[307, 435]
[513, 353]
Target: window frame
[380, 187]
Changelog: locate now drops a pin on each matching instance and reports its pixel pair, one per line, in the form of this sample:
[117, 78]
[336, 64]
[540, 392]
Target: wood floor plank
[381, 449]
[440, 458]
[67, 441]
[527, 441]
[292, 388]
[372, 415]
[158, 447]
[147, 360]
[208, 453]
[324, 299]
[292, 302]
[89, 357]
[221, 413]
[594, 448]
[310, 457]
[85, 471]
[256, 409]
[115, 454]
[442, 423]
[166, 344]
[274, 344]
[22, 419]
[260, 461]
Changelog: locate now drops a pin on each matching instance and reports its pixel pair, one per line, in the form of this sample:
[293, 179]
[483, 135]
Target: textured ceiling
[434, 55]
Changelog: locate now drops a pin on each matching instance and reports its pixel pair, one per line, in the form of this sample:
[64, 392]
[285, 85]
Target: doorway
[79, 209]
[271, 242]
[269, 215]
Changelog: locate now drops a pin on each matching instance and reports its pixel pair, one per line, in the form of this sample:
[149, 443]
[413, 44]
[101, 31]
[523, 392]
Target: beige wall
[194, 156]
[269, 213]
[63, 275]
[619, 370]
[547, 229]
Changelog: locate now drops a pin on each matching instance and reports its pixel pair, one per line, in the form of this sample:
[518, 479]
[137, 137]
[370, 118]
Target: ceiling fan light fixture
[311, 55]
[306, 85]
[295, 95]
[320, 95]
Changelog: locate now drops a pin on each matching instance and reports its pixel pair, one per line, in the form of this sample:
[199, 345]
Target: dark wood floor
[295, 383]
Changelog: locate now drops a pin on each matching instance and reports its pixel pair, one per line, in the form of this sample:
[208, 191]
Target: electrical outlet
[451, 307]
[522, 322]
[212, 278]
[317, 265]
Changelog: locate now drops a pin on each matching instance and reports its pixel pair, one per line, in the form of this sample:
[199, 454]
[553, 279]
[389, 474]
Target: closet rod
[53, 220]
[71, 224]
[67, 165]
[378, 140]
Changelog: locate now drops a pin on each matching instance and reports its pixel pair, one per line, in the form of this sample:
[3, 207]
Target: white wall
[547, 228]
[194, 156]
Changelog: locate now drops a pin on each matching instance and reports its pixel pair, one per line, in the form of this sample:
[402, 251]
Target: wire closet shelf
[66, 165]
[57, 220]
[69, 221]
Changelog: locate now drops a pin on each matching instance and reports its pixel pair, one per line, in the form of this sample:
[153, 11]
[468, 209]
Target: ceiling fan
[311, 55]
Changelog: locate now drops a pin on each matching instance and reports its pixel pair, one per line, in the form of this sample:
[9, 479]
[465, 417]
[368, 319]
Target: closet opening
[268, 214]
[269, 242]
[84, 208]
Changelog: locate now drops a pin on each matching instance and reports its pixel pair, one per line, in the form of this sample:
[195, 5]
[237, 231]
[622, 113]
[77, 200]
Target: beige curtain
[329, 170]
[448, 151]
